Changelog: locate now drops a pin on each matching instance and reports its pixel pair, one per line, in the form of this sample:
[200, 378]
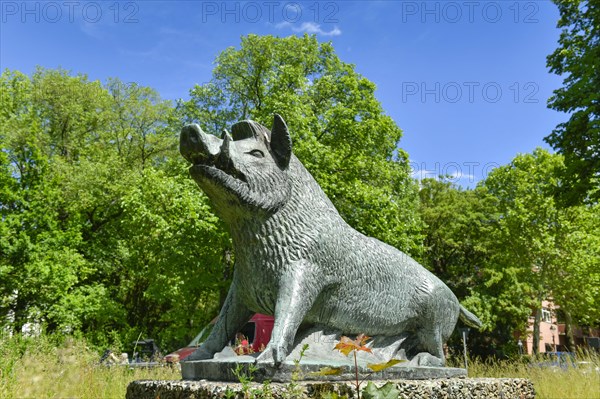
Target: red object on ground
[262, 331]
[257, 331]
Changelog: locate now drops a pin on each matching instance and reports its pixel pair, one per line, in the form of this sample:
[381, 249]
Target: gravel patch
[450, 388]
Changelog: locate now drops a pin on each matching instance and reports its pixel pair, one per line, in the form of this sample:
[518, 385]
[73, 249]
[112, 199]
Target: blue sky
[466, 80]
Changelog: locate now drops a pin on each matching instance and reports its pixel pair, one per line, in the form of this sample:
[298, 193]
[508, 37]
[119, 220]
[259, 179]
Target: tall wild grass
[53, 367]
[576, 380]
[63, 367]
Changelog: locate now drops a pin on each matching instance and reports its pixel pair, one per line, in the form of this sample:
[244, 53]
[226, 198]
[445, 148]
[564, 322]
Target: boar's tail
[469, 318]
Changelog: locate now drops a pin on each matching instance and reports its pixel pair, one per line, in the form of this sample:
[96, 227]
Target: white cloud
[455, 177]
[452, 174]
[309, 27]
[458, 175]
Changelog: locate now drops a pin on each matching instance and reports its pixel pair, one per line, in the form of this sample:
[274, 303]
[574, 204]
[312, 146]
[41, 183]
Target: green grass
[44, 368]
[549, 383]
[47, 367]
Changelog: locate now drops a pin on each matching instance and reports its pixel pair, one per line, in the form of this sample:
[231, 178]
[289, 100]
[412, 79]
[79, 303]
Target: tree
[506, 246]
[39, 264]
[456, 222]
[578, 139]
[339, 129]
[527, 230]
[101, 228]
[461, 249]
[576, 283]
[544, 246]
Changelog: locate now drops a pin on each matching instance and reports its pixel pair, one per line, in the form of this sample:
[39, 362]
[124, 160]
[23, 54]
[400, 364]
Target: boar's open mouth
[218, 172]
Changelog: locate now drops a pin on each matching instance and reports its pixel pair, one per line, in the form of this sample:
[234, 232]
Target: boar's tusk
[226, 142]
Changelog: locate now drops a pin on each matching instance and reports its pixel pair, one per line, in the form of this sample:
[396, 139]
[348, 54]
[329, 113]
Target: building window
[546, 316]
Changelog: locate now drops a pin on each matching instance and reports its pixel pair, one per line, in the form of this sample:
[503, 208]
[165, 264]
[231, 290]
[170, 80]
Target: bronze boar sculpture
[294, 253]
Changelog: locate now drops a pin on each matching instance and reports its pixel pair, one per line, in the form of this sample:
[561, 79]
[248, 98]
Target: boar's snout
[196, 146]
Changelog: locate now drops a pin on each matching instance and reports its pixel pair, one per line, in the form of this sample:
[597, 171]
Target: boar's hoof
[272, 355]
[426, 359]
[265, 358]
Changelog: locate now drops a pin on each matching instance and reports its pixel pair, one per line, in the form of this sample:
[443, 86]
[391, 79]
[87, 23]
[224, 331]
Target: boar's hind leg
[429, 349]
[231, 319]
[299, 287]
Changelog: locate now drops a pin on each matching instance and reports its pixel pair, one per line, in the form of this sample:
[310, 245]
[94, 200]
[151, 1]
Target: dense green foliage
[546, 243]
[578, 139]
[103, 233]
[506, 246]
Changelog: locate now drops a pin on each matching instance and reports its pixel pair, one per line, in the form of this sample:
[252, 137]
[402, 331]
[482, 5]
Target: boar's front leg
[234, 314]
[299, 288]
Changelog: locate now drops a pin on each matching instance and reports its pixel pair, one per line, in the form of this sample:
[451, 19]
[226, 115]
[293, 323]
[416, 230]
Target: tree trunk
[536, 331]
[569, 339]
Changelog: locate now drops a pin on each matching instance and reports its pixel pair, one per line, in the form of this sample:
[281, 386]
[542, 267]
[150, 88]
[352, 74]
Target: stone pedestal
[309, 370]
[319, 370]
[446, 388]
[310, 365]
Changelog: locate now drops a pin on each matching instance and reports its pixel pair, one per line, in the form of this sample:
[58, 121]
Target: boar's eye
[256, 153]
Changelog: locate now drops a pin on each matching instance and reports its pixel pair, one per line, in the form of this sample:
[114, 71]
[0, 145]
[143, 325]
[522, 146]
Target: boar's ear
[281, 142]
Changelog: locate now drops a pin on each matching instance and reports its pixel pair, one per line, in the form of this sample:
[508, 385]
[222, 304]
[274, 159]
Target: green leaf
[328, 371]
[382, 366]
[387, 391]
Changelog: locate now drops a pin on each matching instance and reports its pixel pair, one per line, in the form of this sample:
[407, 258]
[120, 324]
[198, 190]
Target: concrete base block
[447, 388]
